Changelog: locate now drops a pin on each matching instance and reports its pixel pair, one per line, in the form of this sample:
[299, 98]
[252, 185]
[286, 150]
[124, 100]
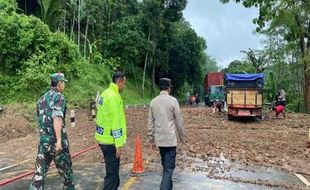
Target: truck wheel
[230, 117]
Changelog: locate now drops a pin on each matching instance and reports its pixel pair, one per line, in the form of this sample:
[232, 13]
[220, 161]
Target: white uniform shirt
[165, 121]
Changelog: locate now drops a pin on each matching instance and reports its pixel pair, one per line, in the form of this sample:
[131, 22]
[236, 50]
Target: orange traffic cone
[138, 161]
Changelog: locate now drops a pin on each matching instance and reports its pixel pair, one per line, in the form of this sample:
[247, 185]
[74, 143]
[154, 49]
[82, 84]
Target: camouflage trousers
[46, 153]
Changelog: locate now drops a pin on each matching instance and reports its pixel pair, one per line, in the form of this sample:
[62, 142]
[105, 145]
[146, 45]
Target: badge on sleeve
[100, 102]
[99, 130]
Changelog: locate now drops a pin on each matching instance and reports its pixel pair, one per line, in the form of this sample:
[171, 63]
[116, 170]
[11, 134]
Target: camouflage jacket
[51, 104]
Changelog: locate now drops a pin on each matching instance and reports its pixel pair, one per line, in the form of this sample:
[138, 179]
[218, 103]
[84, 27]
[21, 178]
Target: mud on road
[272, 142]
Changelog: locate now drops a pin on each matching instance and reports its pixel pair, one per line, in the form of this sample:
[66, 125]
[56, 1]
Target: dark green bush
[29, 52]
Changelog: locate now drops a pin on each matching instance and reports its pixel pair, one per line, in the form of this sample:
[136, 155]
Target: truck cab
[214, 88]
[216, 94]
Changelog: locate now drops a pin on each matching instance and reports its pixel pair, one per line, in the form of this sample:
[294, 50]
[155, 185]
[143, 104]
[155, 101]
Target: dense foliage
[150, 35]
[29, 52]
[147, 39]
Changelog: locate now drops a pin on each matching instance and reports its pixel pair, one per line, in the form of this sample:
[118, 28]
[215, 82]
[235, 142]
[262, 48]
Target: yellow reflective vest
[110, 119]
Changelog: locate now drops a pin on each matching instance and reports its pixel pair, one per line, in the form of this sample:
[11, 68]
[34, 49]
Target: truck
[244, 95]
[214, 88]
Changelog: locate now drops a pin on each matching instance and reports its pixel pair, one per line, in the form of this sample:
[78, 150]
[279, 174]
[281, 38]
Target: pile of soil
[16, 121]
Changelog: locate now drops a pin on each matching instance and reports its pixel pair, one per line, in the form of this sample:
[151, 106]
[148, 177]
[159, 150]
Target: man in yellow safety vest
[111, 132]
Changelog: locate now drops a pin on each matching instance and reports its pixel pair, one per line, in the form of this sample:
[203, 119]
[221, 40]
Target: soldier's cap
[56, 77]
[165, 82]
[117, 74]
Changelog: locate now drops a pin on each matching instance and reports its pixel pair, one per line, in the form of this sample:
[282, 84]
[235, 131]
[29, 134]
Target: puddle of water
[222, 168]
[151, 181]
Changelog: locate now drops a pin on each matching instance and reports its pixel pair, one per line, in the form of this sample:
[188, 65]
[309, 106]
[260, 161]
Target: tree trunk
[25, 7]
[85, 39]
[72, 26]
[307, 88]
[301, 90]
[307, 83]
[307, 69]
[304, 52]
[64, 22]
[109, 21]
[134, 76]
[144, 70]
[153, 78]
[306, 59]
[79, 23]
[299, 80]
[145, 63]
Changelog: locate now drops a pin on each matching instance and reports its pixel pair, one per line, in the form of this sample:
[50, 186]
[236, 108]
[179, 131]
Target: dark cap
[117, 74]
[165, 82]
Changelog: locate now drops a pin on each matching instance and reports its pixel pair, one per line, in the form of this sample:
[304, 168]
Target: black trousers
[111, 180]
[168, 155]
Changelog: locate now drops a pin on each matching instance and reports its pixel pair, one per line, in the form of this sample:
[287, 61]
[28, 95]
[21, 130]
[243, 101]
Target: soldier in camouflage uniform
[53, 140]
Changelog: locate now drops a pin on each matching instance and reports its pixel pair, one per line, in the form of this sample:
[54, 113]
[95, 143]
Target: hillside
[96, 78]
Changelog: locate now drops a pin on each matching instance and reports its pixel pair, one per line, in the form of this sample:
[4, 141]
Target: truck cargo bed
[244, 98]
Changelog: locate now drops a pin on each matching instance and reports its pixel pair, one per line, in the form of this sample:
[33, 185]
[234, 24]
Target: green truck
[214, 89]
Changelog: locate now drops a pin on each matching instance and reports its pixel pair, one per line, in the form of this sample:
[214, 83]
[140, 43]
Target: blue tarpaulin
[244, 77]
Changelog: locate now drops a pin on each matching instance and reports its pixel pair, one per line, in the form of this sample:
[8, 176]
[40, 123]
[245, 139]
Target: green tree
[51, 12]
[236, 67]
[257, 58]
[290, 19]
[283, 70]
[211, 64]
[186, 57]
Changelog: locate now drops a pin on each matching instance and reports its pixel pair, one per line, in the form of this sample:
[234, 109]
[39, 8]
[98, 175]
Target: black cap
[165, 82]
[117, 74]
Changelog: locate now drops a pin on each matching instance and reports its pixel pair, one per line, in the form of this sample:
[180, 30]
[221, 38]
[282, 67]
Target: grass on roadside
[96, 78]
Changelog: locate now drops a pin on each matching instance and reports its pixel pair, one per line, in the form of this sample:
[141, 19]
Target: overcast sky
[227, 28]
